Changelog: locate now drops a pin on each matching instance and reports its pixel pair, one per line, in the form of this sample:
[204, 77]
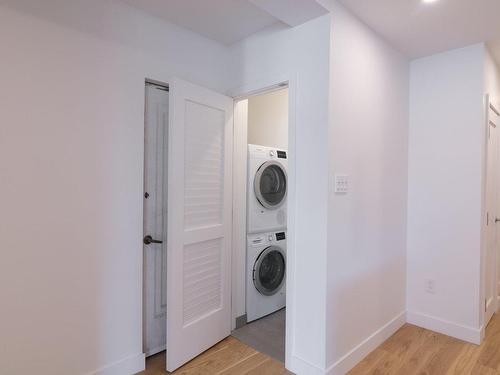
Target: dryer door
[270, 184]
[269, 271]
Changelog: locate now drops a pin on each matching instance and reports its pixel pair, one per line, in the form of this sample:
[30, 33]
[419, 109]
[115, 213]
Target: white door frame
[496, 274]
[154, 255]
[241, 93]
[485, 233]
[492, 106]
[239, 209]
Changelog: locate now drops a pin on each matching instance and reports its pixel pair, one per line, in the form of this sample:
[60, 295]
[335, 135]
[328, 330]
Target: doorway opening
[260, 220]
[155, 218]
[196, 228]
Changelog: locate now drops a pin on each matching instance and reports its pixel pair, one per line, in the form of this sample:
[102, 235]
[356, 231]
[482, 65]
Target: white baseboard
[469, 334]
[126, 366]
[300, 366]
[356, 355]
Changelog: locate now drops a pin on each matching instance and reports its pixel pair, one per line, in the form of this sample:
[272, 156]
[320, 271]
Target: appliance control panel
[280, 236]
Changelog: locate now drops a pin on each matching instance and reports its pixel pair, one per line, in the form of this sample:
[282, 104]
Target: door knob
[149, 240]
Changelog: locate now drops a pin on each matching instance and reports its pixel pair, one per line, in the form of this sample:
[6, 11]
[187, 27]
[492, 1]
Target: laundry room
[260, 226]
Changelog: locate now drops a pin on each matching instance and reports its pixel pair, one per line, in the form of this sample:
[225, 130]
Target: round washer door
[270, 184]
[269, 271]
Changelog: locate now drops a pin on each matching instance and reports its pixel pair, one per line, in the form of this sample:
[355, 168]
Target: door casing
[290, 80]
[240, 191]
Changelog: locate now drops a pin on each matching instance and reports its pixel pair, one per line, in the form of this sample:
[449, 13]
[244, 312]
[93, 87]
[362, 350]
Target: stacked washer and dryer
[266, 231]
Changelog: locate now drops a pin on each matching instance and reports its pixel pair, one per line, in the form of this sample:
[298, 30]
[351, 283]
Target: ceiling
[225, 21]
[228, 21]
[418, 29]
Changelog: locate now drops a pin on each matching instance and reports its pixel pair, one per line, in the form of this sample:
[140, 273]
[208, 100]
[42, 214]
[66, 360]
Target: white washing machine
[266, 271]
[267, 189]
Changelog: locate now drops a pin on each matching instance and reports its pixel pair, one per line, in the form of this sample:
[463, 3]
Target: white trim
[469, 334]
[260, 87]
[126, 366]
[291, 322]
[301, 366]
[356, 355]
[238, 254]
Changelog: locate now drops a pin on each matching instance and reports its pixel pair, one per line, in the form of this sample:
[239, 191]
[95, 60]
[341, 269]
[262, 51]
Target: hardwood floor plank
[404, 345]
[269, 367]
[385, 365]
[403, 339]
[483, 370]
[367, 365]
[422, 351]
[218, 361]
[229, 357]
[490, 349]
[416, 351]
[246, 365]
[465, 362]
[443, 358]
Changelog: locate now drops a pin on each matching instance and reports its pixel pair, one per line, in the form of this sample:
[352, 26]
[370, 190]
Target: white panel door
[491, 213]
[199, 221]
[155, 214]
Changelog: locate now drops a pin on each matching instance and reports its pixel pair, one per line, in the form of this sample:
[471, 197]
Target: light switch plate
[341, 184]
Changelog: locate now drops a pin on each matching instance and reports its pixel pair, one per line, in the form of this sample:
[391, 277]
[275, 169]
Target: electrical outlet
[430, 286]
[341, 184]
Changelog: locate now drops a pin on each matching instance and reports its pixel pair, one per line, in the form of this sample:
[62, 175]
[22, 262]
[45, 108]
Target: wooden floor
[229, 357]
[410, 351]
[414, 350]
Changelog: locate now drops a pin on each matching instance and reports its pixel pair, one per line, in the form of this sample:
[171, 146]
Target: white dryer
[267, 189]
[266, 271]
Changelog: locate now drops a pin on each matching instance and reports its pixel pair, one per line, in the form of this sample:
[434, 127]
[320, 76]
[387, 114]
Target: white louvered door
[199, 221]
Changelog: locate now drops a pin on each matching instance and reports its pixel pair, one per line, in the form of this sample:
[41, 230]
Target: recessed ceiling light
[429, 1]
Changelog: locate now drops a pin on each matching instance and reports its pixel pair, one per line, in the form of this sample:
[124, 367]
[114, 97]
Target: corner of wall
[461, 332]
[356, 355]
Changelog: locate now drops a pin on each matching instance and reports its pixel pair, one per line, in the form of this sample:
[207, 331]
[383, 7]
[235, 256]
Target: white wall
[445, 191]
[268, 119]
[366, 227]
[71, 151]
[300, 54]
